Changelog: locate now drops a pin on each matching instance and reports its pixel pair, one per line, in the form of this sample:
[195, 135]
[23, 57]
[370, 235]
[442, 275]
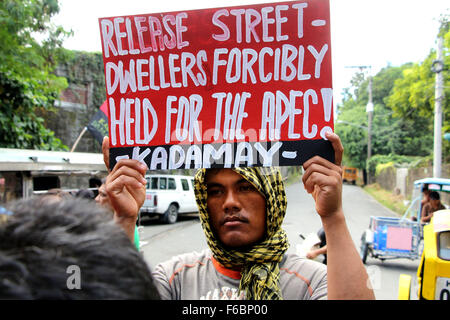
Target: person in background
[55, 195]
[429, 208]
[69, 249]
[85, 194]
[426, 195]
[95, 183]
[102, 197]
[312, 254]
[4, 213]
[424, 201]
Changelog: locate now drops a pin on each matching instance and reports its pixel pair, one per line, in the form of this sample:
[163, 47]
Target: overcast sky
[363, 32]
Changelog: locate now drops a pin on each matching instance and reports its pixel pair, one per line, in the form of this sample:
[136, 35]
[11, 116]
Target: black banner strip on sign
[225, 155]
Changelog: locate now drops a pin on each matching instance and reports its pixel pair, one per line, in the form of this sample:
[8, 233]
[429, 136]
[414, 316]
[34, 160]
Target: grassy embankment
[387, 198]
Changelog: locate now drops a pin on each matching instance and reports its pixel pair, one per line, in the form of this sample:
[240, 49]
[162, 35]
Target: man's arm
[347, 277]
[314, 253]
[125, 186]
[425, 214]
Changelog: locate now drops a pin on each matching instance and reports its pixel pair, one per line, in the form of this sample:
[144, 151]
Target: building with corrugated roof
[24, 173]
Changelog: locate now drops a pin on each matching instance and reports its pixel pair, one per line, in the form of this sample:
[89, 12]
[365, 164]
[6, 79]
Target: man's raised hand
[125, 185]
[323, 179]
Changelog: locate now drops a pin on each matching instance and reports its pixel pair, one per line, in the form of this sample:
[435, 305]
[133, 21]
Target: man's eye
[246, 188]
[214, 192]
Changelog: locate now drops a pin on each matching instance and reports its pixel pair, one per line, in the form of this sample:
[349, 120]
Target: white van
[168, 196]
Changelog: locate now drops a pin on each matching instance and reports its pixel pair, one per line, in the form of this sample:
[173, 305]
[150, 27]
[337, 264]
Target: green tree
[403, 116]
[413, 99]
[353, 120]
[27, 79]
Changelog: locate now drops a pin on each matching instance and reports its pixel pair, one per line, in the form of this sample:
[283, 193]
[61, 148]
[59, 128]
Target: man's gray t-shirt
[198, 276]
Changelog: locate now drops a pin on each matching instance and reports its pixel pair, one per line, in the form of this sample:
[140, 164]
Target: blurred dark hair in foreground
[43, 241]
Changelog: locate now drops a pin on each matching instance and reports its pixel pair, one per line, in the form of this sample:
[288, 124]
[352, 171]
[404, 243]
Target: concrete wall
[401, 180]
[67, 123]
[74, 109]
[387, 178]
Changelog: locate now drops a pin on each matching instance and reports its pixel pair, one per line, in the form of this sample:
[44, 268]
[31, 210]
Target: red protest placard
[223, 87]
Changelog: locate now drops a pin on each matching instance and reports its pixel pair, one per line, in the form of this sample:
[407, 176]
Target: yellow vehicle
[433, 274]
[349, 174]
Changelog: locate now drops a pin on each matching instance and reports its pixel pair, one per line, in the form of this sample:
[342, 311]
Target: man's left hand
[323, 179]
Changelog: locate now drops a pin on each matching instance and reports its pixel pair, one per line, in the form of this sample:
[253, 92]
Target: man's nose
[231, 202]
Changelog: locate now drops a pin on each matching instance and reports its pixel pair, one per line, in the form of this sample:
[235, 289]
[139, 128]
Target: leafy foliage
[86, 67]
[403, 117]
[352, 125]
[405, 161]
[413, 100]
[350, 128]
[27, 81]
[85, 70]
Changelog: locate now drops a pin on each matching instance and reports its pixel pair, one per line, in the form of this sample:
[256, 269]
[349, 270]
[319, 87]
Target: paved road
[159, 242]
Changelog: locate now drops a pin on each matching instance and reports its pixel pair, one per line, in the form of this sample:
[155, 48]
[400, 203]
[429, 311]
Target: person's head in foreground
[45, 246]
[241, 211]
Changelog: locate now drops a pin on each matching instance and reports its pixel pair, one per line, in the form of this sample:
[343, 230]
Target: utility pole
[369, 110]
[438, 68]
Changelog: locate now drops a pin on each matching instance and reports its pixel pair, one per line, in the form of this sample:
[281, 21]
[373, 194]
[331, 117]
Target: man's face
[434, 203]
[102, 198]
[236, 209]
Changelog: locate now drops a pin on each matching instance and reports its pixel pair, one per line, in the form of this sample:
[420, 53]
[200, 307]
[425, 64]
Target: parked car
[433, 273]
[168, 196]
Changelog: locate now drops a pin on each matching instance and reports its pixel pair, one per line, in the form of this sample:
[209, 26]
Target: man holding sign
[241, 212]
[239, 90]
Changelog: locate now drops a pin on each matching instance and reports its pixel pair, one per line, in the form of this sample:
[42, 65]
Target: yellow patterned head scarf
[260, 273]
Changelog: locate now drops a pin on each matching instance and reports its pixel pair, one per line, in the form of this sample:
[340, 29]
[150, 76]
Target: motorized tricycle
[400, 237]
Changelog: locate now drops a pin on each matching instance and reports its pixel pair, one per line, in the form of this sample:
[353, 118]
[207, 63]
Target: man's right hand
[125, 185]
